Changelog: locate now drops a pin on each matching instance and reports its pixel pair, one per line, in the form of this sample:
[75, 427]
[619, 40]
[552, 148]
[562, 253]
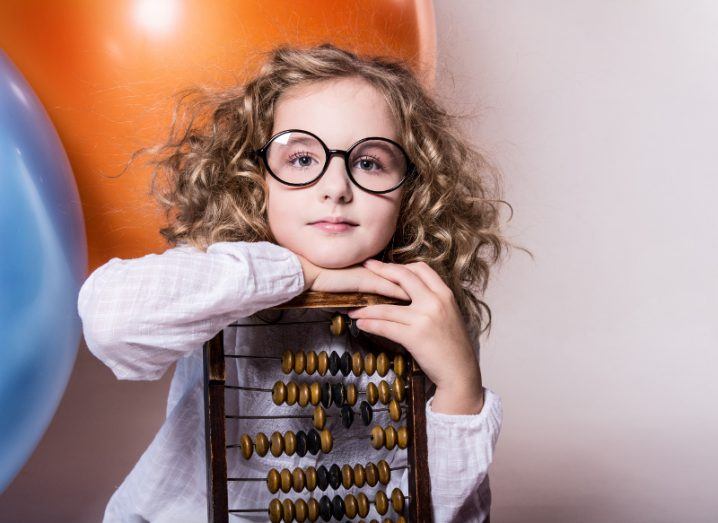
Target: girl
[305, 178]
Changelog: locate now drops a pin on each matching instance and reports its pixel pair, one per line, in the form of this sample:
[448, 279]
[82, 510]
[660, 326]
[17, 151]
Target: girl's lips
[333, 227]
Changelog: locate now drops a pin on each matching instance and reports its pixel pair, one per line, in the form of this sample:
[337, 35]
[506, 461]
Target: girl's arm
[140, 315]
[460, 449]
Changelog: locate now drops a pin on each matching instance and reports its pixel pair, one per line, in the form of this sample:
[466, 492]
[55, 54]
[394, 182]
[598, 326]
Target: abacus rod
[274, 324]
[265, 479]
[405, 496]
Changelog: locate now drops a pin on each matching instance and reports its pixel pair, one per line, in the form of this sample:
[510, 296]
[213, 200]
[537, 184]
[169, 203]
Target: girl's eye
[366, 162]
[304, 159]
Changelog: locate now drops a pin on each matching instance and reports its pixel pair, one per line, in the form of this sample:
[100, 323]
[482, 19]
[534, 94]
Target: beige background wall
[603, 117]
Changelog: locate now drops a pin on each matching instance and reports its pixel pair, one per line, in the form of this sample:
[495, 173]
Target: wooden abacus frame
[419, 507]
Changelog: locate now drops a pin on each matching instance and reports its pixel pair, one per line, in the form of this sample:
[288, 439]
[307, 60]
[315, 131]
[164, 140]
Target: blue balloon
[43, 262]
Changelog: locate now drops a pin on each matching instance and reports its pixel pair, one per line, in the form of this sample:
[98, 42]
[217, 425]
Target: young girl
[258, 213]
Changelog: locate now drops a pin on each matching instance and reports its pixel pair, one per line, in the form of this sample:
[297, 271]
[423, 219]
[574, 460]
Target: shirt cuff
[491, 403]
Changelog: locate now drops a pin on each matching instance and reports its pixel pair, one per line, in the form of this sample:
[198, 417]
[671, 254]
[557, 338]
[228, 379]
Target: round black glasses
[298, 158]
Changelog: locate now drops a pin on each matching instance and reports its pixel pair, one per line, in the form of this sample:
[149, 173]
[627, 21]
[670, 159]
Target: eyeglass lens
[297, 157]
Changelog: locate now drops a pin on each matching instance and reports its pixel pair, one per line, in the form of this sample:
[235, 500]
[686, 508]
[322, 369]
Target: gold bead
[292, 392]
[279, 393]
[381, 502]
[350, 506]
[372, 393]
[311, 477]
[315, 393]
[351, 394]
[313, 505]
[347, 476]
[390, 437]
[384, 392]
[369, 363]
[300, 510]
[402, 437]
[303, 398]
[338, 325]
[359, 475]
[286, 480]
[362, 504]
[298, 479]
[273, 480]
[247, 446]
[382, 364]
[327, 441]
[311, 365]
[288, 510]
[261, 444]
[372, 471]
[287, 361]
[399, 365]
[290, 443]
[319, 418]
[397, 500]
[275, 510]
[384, 471]
[357, 363]
[300, 361]
[394, 410]
[322, 363]
[276, 446]
[398, 388]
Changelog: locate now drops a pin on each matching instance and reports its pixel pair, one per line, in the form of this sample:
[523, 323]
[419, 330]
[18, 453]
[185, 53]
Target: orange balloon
[106, 72]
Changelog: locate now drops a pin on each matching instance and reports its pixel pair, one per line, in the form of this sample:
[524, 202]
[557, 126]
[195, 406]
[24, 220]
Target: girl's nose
[335, 182]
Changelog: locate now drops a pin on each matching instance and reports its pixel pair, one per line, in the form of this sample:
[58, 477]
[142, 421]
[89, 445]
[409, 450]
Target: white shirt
[141, 315]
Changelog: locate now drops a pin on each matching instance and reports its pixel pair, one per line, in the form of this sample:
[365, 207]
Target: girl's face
[340, 112]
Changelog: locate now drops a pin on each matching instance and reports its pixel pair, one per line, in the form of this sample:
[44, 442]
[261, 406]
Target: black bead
[325, 508]
[338, 394]
[326, 394]
[338, 507]
[335, 476]
[366, 412]
[334, 362]
[322, 477]
[347, 416]
[346, 363]
[301, 443]
[314, 442]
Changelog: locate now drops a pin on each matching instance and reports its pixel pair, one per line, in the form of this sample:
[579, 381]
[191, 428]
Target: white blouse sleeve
[140, 315]
[460, 450]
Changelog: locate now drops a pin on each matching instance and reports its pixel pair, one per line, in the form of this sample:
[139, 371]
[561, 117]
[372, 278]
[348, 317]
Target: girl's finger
[398, 273]
[396, 313]
[429, 277]
[373, 283]
[396, 332]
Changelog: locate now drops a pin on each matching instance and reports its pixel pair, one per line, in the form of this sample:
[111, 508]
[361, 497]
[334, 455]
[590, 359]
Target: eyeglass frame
[330, 153]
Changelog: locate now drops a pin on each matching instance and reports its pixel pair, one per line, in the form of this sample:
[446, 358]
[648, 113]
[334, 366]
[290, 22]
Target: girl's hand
[432, 330]
[351, 279]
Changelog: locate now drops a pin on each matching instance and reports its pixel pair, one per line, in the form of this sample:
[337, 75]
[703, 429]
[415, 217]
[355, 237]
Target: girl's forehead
[344, 110]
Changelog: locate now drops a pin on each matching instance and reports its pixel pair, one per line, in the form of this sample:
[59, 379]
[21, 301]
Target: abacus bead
[319, 418]
[381, 502]
[322, 362]
[351, 394]
[322, 477]
[338, 325]
[334, 362]
[315, 393]
[311, 364]
[292, 392]
[313, 441]
[382, 364]
[311, 477]
[335, 476]
[288, 510]
[367, 413]
[347, 476]
[401, 519]
[384, 392]
[287, 361]
[397, 500]
[399, 364]
[273, 480]
[372, 473]
[303, 398]
[347, 416]
[300, 510]
[298, 479]
[390, 437]
[247, 446]
[313, 506]
[384, 471]
[338, 394]
[372, 393]
[327, 441]
[337, 506]
[275, 511]
[301, 443]
[290, 443]
[325, 507]
[345, 365]
[394, 410]
[276, 446]
[359, 475]
[300, 361]
[362, 504]
[279, 392]
[261, 444]
[350, 506]
[399, 388]
[326, 394]
[357, 363]
[286, 480]
[402, 437]
[369, 363]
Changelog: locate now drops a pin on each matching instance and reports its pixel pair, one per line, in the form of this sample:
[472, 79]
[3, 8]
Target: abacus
[407, 390]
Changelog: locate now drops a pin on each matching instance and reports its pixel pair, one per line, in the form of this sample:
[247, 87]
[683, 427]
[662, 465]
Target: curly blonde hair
[215, 190]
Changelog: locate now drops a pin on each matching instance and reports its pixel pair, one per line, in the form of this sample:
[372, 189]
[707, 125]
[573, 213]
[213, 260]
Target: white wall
[603, 117]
